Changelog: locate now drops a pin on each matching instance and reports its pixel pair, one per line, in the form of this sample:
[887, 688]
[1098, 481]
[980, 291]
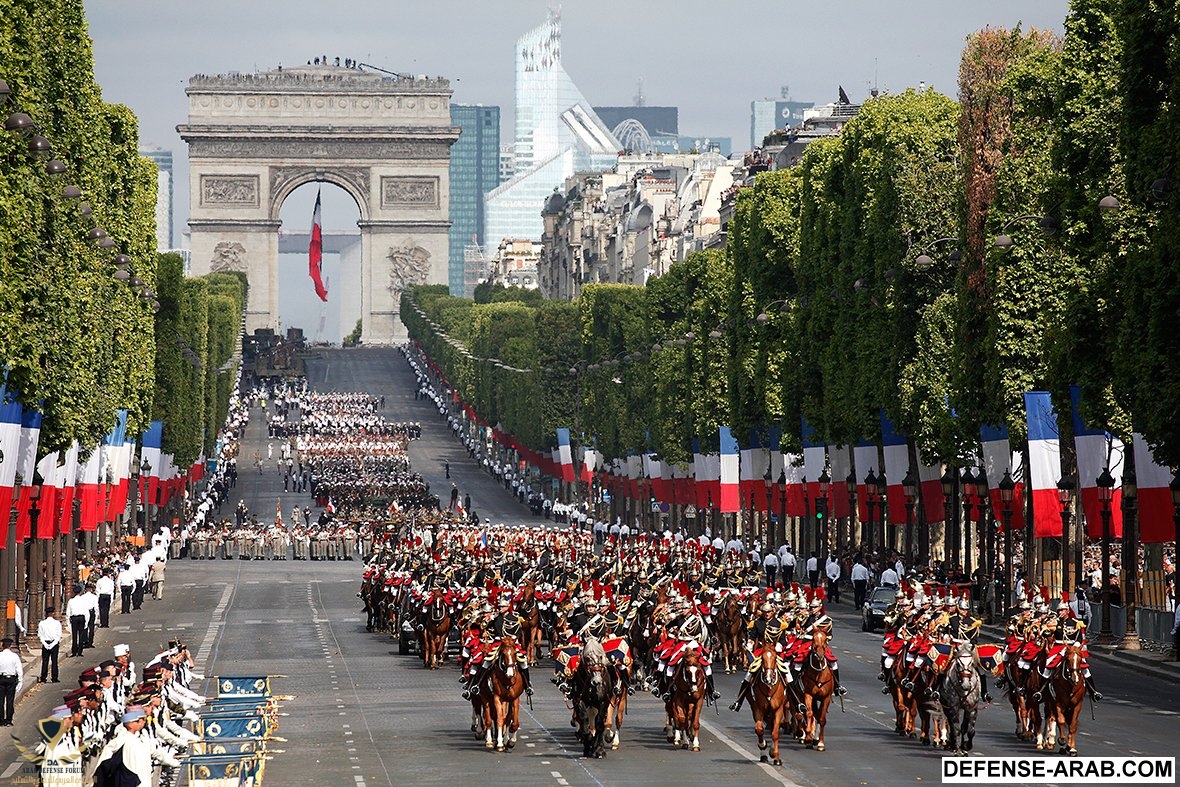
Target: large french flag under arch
[565, 455]
[1096, 448]
[315, 252]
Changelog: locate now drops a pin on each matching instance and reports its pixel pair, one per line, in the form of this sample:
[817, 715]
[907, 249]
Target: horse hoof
[671, 739]
[820, 746]
[696, 748]
[1073, 752]
[763, 758]
[488, 746]
[776, 761]
[615, 746]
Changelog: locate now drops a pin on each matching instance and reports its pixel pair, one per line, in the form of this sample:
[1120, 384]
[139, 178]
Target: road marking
[745, 753]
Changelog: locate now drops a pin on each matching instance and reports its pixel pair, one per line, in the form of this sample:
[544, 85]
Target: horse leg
[695, 724]
[823, 720]
[513, 721]
[776, 716]
[760, 731]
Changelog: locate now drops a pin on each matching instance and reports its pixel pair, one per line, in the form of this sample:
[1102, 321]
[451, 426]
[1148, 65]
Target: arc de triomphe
[385, 139]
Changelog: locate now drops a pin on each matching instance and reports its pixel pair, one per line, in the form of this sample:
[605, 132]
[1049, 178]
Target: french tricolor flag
[10, 416]
[30, 436]
[565, 455]
[864, 457]
[815, 458]
[67, 480]
[897, 464]
[315, 253]
[1155, 495]
[730, 472]
[930, 490]
[46, 505]
[150, 454]
[841, 467]
[89, 491]
[1096, 449]
[1044, 463]
[792, 473]
[998, 458]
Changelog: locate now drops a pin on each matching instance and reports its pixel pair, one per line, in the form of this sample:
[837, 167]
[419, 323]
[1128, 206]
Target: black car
[872, 614]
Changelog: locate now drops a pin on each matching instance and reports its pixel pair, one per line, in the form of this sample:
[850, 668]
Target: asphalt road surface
[362, 715]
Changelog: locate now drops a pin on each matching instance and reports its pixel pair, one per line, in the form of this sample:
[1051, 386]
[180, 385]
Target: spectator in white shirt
[813, 571]
[832, 570]
[104, 586]
[11, 679]
[889, 577]
[49, 632]
[770, 566]
[77, 610]
[786, 564]
[860, 583]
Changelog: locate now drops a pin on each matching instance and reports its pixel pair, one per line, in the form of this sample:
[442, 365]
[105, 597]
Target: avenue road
[362, 715]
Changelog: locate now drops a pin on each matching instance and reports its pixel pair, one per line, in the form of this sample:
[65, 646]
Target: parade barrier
[222, 770]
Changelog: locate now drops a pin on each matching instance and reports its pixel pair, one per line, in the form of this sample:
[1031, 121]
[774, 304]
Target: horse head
[508, 657]
[1071, 665]
[770, 674]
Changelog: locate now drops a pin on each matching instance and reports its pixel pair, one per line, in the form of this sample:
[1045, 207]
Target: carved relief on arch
[283, 180]
[228, 256]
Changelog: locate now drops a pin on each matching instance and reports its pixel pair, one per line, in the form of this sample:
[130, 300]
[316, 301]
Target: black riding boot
[624, 682]
[983, 687]
[469, 685]
[840, 690]
[1095, 694]
[528, 682]
[713, 694]
[741, 695]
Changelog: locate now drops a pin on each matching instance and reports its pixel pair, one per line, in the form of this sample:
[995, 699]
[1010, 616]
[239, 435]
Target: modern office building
[637, 127]
[556, 133]
[475, 170]
[770, 114]
[163, 162]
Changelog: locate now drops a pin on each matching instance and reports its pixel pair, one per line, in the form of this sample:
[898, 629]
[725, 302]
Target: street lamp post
[950, 478]
[1065, 489]
[782, 503]
[821, 524]
[970, 490]
[1175, 488]
[1007, 492]
[1130, 561]
[768, 532]
[882, 499]
[1105, 483]
[853, 511]
[909, 488]
[870, 503]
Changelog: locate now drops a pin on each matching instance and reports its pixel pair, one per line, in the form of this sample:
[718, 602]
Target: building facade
[475, 170]
[163, 161]
[632, 223]
[556, 134]
[770, 114]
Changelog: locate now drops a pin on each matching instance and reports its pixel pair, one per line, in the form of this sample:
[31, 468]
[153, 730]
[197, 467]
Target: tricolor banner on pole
[897, 464]
[150, 455]
[864, 456]
[814, 460]
[10, 417]
[1155, 495]
[315, 253]
[1097, 449]
[1044, 463]
[730, 484]
[565, 455]
[67, 481]
[999, 458]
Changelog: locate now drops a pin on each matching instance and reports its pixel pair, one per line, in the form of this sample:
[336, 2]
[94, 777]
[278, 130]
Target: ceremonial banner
[315, 253]
[730, 495]
[1044, 463]
[243, 686]
[1096, 449]
[1155, 495]
[998, 458]
[897, 464]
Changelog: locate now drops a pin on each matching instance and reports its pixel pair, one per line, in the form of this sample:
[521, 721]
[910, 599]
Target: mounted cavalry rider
[593, 621]
[818, 620]
[766, 631]
[1017, 630]
[685, 632]
[1070, 630]
[964, 627]
[506, 624]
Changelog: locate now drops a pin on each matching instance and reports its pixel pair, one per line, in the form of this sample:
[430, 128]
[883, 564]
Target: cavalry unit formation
[620, 618]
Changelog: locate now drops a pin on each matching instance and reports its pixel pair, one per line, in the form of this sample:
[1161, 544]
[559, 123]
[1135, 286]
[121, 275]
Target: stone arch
[384, 139]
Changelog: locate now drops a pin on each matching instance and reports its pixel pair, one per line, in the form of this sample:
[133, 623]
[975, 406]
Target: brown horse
[530, 615]
[501, 688]
[731, 633]
[817, 684]
[1022, 685]
[683, 710]
[435, 619]
[904, 704]
[768, 702]
[1063, 701]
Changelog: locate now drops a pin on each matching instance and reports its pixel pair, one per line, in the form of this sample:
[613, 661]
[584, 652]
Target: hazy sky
[709, 59]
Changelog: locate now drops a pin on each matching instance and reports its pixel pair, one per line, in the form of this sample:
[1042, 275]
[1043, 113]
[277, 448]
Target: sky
[709, 59]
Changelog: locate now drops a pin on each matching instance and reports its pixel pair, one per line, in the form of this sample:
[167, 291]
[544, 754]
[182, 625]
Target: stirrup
[881, 676]
[1001, 683]
[841, 690]
[884, 689]
[1096, 696]
[466, 694]
[630, 691]
[528, 690]
[1036, 697]
[715, 694]
[666, 697]
[735, 706]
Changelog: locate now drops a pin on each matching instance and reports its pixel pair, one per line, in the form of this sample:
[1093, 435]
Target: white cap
[122, 650]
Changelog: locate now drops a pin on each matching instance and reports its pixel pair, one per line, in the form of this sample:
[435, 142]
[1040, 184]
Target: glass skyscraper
[557, 133]
[163, 161]
[475, 170]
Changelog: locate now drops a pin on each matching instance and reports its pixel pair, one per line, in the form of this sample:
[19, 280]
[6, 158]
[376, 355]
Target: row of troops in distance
[332, 541]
